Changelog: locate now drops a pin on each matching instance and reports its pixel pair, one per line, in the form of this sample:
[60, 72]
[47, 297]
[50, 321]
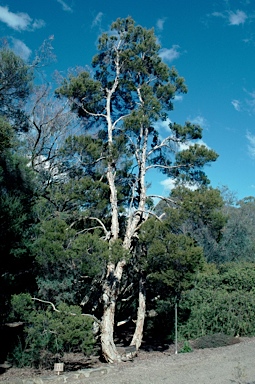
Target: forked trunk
[138, 335]
[110, 294]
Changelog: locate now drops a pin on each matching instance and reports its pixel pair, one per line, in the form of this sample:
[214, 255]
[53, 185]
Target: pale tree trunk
[114, 274]
[110, 294]
[109, 350]
[138, 335]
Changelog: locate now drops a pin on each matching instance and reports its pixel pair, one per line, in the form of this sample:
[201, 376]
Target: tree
[129, 91]
[198, 214]
[16, 218]
[238, 239]
[16, 81]
[15, 180]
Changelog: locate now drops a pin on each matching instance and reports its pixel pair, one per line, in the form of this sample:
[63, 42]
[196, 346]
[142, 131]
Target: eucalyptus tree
[130, 90]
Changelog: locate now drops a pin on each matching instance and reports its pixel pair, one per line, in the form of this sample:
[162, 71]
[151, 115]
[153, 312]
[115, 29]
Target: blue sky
[211, 43]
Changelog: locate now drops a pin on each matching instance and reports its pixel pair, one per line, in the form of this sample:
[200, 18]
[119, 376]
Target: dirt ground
[225, 365]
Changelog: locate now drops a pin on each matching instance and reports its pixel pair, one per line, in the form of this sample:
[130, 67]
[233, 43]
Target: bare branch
[91, 113]
[14, 324]
[167, 199]
[164, 144]
[167, 166]
[123, 321]
[46, 302]
[67, 313]
[102, 226]
[119, 119]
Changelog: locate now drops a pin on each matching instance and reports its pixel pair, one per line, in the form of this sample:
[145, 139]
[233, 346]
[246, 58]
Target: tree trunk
[109, 350]
[138, 335]
[110, 294]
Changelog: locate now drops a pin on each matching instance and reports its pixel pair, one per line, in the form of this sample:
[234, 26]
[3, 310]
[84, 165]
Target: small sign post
[59, 367]
[176, 328]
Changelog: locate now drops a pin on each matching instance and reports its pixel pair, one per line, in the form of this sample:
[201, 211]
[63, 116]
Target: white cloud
[251, 145]
[237, 18]
[218, 14]
[19, 21]
[233, 18]
[170, 54]
[163, 125]
[199, 120]
[21, 49]
[97, 20]
[38, 23]
[178, 98]
[160, 23]
[236, 104]
[168, 184]
[65, 6]
[186, 145]
[251, 102]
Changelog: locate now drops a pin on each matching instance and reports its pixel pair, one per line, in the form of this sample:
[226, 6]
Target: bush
[48, 334]
[186, 348]
[214, 341]
[223, 301]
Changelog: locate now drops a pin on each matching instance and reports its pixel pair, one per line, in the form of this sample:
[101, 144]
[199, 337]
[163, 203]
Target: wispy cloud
[160, 23]
[236, 104]
[170, 54]
[21, 49]
[19, 21]
[250, 101]
[251, 145]
[178, 98]
[237, 18]
[65, 6]
[97, 20]
[199, 120]
[233, 18]
[168, 184]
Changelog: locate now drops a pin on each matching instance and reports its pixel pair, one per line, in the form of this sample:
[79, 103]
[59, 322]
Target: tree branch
[67, 313]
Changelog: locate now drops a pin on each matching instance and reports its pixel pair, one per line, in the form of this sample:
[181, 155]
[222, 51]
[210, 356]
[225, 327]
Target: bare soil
[224, 365]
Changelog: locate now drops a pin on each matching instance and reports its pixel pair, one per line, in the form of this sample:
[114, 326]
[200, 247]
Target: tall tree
[16, 187]
[15, 85]
[129, 91]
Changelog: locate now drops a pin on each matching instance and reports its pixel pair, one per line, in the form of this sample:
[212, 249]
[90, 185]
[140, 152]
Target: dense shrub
[223, 301]
[48, 334]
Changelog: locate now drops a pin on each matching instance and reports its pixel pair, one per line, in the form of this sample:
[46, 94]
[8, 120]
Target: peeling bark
[110, 294]
[109, 350]
[138, 335]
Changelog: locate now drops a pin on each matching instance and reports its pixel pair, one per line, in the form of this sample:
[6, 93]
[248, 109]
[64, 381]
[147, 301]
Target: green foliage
[198, 214]
[15, 80]
[16, 222]
[238, 238]
[48, 333]
[171, 260]
[222, 301]
[6, 135]
[186, 348]
[67, 261]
